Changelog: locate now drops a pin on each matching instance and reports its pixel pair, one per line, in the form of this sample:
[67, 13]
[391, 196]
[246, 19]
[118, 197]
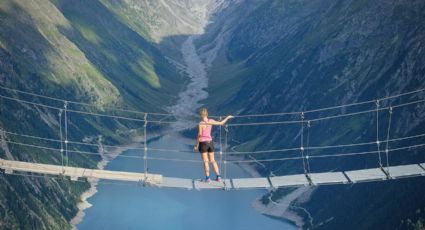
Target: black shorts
[207, 146]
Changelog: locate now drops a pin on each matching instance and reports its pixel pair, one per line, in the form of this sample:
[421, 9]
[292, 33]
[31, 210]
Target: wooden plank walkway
[313, 179]
[74, 173]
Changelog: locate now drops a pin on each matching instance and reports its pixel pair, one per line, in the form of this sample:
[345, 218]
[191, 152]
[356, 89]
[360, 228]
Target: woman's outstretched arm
[222, 122]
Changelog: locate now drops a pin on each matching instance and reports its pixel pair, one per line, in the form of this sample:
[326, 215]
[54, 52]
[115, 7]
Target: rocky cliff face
[280, 56]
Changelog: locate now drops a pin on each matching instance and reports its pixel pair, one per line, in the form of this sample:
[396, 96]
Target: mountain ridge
[294, 56]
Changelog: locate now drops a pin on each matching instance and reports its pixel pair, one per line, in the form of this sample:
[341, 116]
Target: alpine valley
[240, 57]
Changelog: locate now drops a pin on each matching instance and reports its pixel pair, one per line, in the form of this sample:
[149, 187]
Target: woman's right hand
[195, 148]
[230, 117]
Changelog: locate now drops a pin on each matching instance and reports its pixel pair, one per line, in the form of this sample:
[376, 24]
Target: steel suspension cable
[247, 115]
[221, 149]
[232, 153]
[66, 132]
[86, 113]
[302, 132]
[308, 144]
[324, 147]
[226, 132]
[325, 118]
[82, 103]
[377, 134]
[86, 144]
[390, 112]
[145, 143]
[233, 161]
[302, 142]
[61, 136]
[329, 155]
[234, 124]
[332, 107]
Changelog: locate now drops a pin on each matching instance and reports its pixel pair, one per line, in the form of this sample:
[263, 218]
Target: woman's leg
[213, 162]
[206, 166]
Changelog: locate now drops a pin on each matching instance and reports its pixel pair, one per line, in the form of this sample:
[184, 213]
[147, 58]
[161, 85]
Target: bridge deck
[75, 173]
[327, 178]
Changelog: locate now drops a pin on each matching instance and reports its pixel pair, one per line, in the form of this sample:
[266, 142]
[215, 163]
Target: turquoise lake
[121, 205]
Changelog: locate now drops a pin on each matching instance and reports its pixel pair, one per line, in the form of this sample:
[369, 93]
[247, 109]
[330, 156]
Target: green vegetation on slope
[76, 50]
[298, 55]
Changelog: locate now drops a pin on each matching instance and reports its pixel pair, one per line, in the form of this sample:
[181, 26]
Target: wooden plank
[328, 178]
[75, 173]
[406, 171]
[172, 182]
[365, 175]
[289, 181]
[31, 167]
[199, 184]
[245, 183]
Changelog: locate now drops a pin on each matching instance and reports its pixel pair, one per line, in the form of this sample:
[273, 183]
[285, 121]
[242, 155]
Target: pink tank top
[205, 134]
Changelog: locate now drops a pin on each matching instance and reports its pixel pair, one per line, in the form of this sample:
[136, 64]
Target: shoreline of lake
[84, 204]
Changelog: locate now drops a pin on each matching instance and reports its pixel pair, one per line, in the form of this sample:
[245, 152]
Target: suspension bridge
[383, 171]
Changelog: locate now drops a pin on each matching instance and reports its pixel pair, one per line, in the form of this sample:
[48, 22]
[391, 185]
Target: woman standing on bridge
[204, 142]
